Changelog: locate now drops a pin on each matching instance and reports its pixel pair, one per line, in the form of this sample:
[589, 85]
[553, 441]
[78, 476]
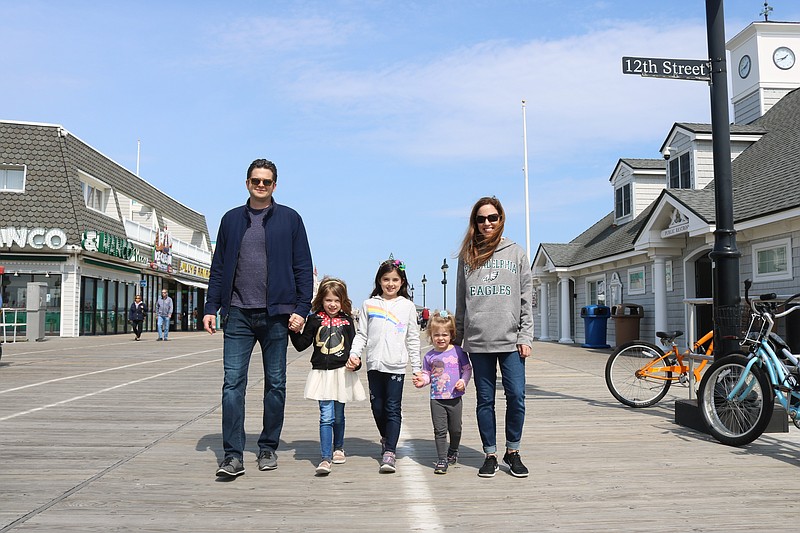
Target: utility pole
[725, 255]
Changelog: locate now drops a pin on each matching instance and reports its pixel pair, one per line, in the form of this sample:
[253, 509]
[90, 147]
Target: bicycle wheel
[742, 419]
[628, 382]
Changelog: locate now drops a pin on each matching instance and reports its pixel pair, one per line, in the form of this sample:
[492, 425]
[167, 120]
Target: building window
[772, 260]
[93, 196]
[680, 172]
[596, 291]
[12, 178]
[636, 281]
[622, 201]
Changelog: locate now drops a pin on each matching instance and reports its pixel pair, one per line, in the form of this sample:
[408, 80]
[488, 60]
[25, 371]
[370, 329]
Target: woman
[494, 323]
[136, 316]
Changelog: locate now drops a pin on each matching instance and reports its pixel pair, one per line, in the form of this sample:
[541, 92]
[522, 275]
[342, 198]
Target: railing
[139, 233]
[12, 325]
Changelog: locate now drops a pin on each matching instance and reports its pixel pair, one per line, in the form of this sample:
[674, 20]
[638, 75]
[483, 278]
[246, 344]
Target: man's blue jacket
[290, 279]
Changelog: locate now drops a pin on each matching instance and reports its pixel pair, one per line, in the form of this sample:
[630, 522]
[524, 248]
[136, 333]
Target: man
[261, 284]
[164, 310]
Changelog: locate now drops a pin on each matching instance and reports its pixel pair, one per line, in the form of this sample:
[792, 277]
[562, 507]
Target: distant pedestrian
[136, 316]
[164, 309]
[494, 323]
[426, 315]
[388, 337]
[447, 370]
[261, 284]
[332, 380]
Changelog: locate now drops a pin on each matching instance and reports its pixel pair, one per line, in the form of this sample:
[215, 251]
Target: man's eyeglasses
[267, 182]
[480, 219]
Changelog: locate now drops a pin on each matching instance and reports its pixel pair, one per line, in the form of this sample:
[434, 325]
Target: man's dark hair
[263, 163]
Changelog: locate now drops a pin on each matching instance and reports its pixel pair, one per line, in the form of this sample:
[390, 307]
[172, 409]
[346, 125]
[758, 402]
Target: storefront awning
[192, 283]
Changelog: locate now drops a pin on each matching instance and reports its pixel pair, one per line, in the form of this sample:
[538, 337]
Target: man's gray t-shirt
[250, 283]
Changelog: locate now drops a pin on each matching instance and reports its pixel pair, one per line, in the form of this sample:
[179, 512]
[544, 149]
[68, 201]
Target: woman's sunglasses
[480, 219]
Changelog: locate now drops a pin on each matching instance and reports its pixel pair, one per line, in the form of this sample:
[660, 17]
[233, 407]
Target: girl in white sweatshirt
[388, 338]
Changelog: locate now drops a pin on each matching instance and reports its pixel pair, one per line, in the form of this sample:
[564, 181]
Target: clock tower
[763, 67]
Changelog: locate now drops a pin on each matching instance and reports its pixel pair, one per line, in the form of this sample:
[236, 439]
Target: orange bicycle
[639, 373]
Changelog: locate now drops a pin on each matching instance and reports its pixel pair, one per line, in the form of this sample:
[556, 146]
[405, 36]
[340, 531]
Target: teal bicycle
[738, 392]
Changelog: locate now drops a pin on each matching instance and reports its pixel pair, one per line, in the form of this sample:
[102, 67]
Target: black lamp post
[444, 282]
[411, 289]
[424, 281]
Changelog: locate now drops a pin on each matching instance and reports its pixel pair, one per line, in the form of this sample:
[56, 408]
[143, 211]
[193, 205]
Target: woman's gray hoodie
[494, 310]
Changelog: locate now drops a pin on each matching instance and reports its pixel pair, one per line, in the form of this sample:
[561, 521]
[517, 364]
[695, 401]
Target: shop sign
[36, 238]
[106, 243]
[194, 270]
[162, 252]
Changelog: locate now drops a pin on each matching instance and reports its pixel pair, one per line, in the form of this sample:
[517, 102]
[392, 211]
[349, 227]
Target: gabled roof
[766, 180]
[645, 165]
[743, 132]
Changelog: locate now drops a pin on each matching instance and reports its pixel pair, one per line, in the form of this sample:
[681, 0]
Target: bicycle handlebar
[769, 305]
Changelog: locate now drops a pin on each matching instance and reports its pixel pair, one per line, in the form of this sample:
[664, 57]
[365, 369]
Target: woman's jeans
[386, 399]
[484, 374]
[331, 428]
[243, 327]
[137, 328]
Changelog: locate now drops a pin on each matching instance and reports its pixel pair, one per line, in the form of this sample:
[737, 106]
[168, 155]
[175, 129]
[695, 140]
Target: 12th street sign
[680, 69]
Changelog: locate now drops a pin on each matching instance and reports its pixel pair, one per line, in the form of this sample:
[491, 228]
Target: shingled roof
[53, 158]
[766, 180]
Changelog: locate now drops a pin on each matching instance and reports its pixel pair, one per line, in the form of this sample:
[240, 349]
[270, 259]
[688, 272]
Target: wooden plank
[136, 448]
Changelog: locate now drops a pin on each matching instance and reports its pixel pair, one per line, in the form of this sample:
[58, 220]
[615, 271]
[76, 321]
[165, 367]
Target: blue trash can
[595, 318]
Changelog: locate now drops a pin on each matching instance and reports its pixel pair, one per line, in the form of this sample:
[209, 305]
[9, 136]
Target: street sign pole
[725, 255]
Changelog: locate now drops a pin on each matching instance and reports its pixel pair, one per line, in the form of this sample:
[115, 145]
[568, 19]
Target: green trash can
[626, 319]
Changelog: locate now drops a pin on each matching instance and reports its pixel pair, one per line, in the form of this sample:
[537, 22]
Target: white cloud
[467, 104]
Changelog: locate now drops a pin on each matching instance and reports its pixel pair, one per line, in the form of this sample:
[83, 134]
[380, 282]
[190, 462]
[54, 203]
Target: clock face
[783, 57]
[744, 66]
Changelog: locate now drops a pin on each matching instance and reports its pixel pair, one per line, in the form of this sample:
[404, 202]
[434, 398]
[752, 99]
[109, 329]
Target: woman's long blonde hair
[477, 249]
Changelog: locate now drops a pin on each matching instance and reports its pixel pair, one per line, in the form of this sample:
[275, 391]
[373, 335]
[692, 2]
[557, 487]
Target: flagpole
[525, 169]
[138, 154]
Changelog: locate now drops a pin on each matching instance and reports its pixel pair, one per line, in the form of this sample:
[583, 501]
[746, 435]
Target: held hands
[417, 380]
[352, 362]
[296, 322]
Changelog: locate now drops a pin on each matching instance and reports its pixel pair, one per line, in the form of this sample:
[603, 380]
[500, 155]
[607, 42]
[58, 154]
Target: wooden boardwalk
[106, 434]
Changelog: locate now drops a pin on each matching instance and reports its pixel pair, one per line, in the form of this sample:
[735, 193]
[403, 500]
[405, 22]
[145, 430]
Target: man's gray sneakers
[230, 467]
[267, 460]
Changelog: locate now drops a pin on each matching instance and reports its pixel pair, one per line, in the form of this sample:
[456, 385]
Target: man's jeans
[243, 327]
[331, 427]
[484, 374]
[163, 327]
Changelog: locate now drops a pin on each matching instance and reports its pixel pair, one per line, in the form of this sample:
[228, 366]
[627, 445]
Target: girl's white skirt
[340, 384]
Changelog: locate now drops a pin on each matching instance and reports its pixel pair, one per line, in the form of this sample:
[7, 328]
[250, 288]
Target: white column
[544, 312]
[660, 296]
[564, 310]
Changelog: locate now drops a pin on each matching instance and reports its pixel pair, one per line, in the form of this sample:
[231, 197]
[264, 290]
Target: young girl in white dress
[332, 381]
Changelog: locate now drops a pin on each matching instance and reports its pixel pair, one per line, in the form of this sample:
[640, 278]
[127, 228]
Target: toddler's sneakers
[441, 467]
[452, 456]
[388, 463]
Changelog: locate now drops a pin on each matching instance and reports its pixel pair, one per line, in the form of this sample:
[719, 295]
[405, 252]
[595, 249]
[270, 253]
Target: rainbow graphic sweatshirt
[387, 337]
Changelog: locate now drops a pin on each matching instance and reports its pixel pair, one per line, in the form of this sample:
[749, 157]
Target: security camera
[666, 154]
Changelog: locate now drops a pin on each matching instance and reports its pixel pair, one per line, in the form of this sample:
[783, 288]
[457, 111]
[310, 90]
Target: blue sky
[386, 119]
